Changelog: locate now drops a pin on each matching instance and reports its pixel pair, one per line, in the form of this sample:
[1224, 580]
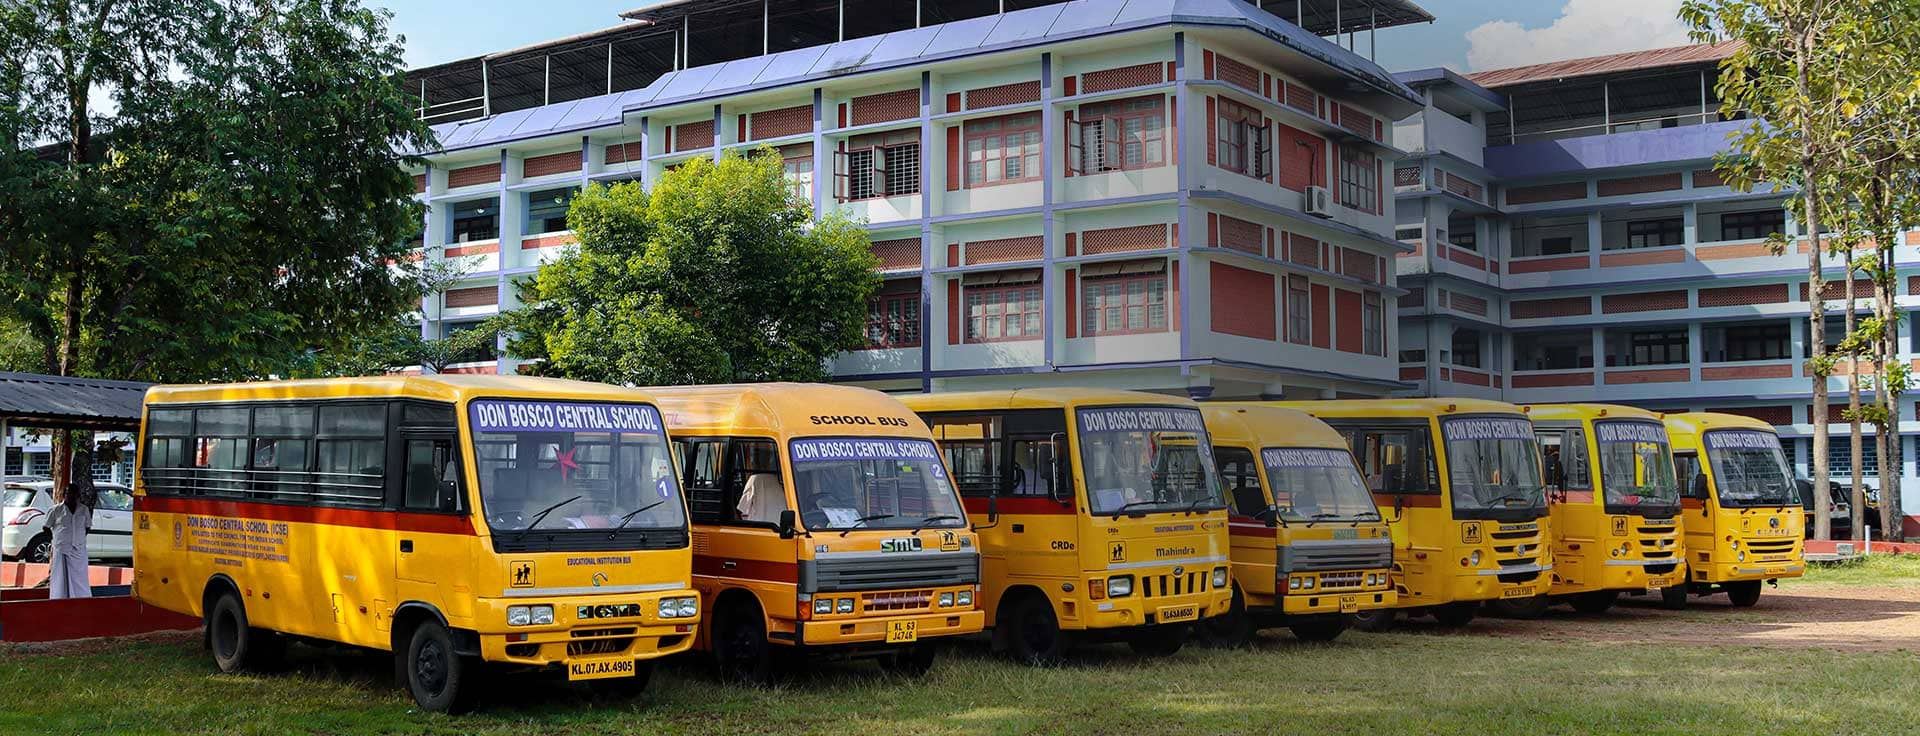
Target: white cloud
[1584, 28]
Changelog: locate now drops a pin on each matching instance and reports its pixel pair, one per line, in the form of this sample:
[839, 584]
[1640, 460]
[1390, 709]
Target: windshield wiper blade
[929, 520]
[1502, 500]
[542, 516]
[1123, 509]
[863, 520]
[629, 517]
[1196, 504]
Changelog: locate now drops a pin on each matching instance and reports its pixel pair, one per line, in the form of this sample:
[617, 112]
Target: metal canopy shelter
[58, 402]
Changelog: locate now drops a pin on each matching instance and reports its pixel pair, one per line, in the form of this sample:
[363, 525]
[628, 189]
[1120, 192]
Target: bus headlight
[946, 600]
[1293, 583]
[823, 605]
[519, 616]
[1733, 544]
[1742, 557]
[1120, 586]
[844, 606]
[689, 607]
[1474, 559]
[543, 615]
[963, 598]
[1219, 578]
[1308, 584]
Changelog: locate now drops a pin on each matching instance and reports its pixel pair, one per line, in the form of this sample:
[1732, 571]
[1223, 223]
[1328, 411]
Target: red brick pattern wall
[1550, 380]
[1744, 372]
[620, 153]
[1003, 250]
[1862, 289]
[1655, 375]
[779, 123]
[1733, 296]
[1242, 302]
[1769, 414]
[1414, 298]
[1303, 251]
[1232, 71]
[1138, 75]
[880, 108]
[1565, 263]
[1547, 193]
[1357, 121]
[1542, 308]
[1005, 94]
[1466, 257]
[1301, 98]
[1641, 257]
[1639, 184]
[479, 296]
[1469, 304]
[897, 254]
[1241, 235]
[692, 136]
[1462, 187]
[1359, 264]
[1707, 178]
[548, 165]
[1651, 301]
[1302, 157]
[1123, 239]
[419, 183]
[1471, 378]
[473, 176]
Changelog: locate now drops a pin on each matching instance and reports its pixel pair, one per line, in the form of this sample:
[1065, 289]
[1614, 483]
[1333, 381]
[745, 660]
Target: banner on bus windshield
[1630, 432]
[492, 415]
[1306, 457]
[1141, 419]
[1742, 439]
[825, 450]
[1487, 428]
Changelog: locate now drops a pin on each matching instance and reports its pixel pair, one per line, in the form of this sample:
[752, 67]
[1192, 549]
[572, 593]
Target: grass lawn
[1363, 683]
[1875, 570]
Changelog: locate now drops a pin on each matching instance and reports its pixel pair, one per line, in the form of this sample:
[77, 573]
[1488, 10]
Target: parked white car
[23, 522]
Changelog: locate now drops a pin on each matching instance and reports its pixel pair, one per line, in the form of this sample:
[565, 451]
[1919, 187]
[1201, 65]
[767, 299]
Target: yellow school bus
[1309, 547]
[1740, 508]
[1616, 505]
[451, 520]
[1099, 513]
[1459, 481]
[823, 522]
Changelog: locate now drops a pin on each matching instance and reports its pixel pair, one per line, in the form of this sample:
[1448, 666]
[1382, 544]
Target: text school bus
[1459, 481]
[1740, 508]
[448, 519]
[823, 522]
[1099, 514]
[1309, 547]
[1615, 504]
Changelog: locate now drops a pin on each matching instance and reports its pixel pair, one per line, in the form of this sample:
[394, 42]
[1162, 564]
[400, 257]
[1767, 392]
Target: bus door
[740, 502]
[1696, 509]
[429, 565]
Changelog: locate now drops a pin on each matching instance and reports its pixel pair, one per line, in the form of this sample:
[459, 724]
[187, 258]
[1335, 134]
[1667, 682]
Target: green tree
[716, 274]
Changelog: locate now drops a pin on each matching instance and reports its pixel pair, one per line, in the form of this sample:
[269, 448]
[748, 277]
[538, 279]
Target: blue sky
[1467, 35]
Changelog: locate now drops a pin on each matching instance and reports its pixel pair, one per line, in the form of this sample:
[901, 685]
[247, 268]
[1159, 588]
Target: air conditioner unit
[1319, 202]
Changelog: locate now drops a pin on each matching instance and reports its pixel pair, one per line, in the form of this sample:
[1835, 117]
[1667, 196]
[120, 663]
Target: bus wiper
[1317, 518]
[542, 516]
[863, 520]
[1502, 500]
[629, 517]
[1196, 504]
[1123, 509]
[929, 520]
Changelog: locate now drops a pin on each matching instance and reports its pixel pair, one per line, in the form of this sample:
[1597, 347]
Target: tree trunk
[1810, 178]
[1853, 394]
[1892, 465]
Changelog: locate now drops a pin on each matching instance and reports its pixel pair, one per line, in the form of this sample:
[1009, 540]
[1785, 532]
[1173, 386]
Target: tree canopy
[716, 274]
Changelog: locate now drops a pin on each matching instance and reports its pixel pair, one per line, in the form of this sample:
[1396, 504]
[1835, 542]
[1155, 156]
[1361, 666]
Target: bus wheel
[1744, 593]
[740, 646]
[1375, 620]
[236, 646]
[1231, 629]
[1455, 615]
[1674, 597]
[436, 674]
[1035, 637]
[1525, 609]
[1325, 630]
[912, 661]
[1158, 641]
[1596, 602]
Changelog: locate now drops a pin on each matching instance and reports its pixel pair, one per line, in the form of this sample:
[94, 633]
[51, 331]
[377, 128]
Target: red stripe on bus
[327, 515]
[1413, 500]
[1250, 528]
[716, 566]
[1020, 505]
[1692, 503]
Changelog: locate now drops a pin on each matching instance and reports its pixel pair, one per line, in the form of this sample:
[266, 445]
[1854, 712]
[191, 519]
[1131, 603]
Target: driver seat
[762, 499]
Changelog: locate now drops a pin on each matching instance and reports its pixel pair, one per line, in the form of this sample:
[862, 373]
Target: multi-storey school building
[1571, 242]
[1177, 195]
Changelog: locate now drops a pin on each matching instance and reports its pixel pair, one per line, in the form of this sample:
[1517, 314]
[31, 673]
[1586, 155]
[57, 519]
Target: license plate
[1171, 614]
[902, 631]
[1349, 604]
[1657, 582]
[599, 669]
[1517, 593]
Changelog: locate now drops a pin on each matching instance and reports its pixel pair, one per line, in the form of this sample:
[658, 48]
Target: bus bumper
[1297, 603]
[590, 638]
[1641, 574]
[1750, 570]
[874, 629]
[1115, 613]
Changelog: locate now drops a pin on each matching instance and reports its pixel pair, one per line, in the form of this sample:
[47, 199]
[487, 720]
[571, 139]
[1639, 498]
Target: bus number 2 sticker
[522, 573]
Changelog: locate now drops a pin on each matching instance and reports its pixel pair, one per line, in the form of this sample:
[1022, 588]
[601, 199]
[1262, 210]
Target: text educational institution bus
[1740, 508]
[823, 522]
[1310, 549]
[1099, 513]
[1459, 481]
[1616, 505]
[449, 519]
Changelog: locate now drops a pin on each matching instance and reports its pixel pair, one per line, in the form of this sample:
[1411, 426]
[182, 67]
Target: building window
[893, 320]
[1002, 313]
[1461, 233]
[1299, 312]
[1114, 305]
[475, 220]
[1649, 347]
[1242, 142]
[1359, 179]
[1003, 150]
[1552, 351]
[40, 464]
[1406, 233]
[1756, 342]
[1466, 348]
[1122, 134]
[547, 211]
[1413, 356]
[880, 165]
[1752, 225]
[1556, 246]
[1373, 331]
[16, 462]
[1655, 233]
[477, 354]
[797, 163]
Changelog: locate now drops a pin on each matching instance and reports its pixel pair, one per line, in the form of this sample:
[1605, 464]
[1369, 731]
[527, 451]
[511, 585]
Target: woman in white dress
[71, 518]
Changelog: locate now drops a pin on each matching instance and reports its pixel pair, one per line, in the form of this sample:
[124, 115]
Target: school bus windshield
[1749, 469]
[872, 483]
[1147, 459]
[558, 466]
[1494, 463]
[1314, 483]
[1636, 465]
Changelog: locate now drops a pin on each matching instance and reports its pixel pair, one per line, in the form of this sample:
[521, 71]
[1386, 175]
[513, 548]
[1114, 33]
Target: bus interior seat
[763, 499]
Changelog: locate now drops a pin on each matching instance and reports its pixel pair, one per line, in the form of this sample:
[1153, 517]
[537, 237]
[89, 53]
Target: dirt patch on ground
[1851, 618]
[96, 645]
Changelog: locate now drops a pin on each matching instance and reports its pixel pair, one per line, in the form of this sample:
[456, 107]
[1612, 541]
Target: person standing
[70, 519]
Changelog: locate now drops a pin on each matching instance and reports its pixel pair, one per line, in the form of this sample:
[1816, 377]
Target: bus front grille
[1336, 556]
[1160, 586]
[889, 572]
[590, 647]
[906, 600]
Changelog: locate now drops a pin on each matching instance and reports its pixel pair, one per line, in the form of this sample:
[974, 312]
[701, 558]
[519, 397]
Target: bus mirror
[1273, 515]
[788, 523]
[1699, 489]
[993, 507]
[1399, 503]
[1057, 470]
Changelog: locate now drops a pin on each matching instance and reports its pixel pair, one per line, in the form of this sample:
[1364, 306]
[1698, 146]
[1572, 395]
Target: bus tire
[1235, 628]
[1320, 631]
[1674, 597]
[436, 673]
[1375, 620]
[1158, 641]
[236, 645]
[1456, 615]
[1033, 633]
[1743, 594]
[914, 660]
[1525, 609]
[1595, 602]
[740, 649]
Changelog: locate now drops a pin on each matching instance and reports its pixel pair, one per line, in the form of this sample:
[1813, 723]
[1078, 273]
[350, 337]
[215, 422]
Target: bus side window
[747, 458]
[1241, 479]
[433, 473]
[1576, 463]
[1686, 465]
[1395, 460]
[1032, 467]
[705, 485]
[972, 447]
